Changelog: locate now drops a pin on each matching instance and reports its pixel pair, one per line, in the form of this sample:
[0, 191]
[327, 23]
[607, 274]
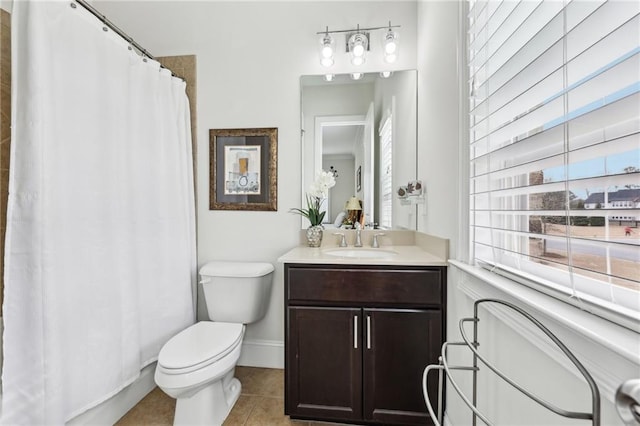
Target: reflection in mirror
[365, 131]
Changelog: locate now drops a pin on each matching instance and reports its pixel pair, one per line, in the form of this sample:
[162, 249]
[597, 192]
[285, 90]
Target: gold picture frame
[243, 169]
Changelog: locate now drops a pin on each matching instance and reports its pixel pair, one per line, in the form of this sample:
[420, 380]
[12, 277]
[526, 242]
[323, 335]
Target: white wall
[438, 128]
[399, 93]
[250, 58]
[345, 181]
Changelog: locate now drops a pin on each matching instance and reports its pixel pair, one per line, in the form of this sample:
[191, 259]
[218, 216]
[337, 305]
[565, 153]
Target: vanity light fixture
[329, 77]
[386, 74]
[358, 43]
[356, 75]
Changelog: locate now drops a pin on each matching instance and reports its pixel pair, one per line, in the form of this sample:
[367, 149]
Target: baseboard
[262, 353]
[110, 411]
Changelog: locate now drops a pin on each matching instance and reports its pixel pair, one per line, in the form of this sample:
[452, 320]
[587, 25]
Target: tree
[557, 200]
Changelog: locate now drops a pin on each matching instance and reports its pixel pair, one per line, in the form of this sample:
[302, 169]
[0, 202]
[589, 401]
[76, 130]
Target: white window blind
[555, 148]
[386, 182]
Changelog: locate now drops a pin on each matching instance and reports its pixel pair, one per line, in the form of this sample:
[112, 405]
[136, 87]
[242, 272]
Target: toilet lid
[201, 344]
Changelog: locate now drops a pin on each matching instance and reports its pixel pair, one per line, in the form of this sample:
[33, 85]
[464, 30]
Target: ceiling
[339, 139]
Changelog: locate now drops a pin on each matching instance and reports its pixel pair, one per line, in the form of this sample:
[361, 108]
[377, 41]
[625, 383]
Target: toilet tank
[236, 291]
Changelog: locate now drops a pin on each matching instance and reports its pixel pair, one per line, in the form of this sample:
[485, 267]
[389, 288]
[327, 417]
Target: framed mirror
[365, 132]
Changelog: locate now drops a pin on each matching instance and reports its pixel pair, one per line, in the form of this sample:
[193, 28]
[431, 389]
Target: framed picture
[242, 169]
[359, 179]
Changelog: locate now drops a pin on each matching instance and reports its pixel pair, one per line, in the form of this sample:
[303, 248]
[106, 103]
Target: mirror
[365, 131]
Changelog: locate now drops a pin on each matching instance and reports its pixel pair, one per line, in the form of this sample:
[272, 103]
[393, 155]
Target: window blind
[555, 148]
[386, 165]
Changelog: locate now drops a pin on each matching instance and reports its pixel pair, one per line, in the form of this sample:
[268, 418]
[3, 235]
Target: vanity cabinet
[357, 340]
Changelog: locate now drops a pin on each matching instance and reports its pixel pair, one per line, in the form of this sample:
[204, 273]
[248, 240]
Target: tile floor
[261, 403]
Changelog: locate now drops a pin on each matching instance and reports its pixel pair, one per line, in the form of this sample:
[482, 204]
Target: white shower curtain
[100, 247]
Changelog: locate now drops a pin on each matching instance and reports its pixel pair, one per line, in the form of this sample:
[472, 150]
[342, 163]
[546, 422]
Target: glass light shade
[390, 46]
[329, 77]
[328, 46]
[386, 74]
[390, 41]
[356, 75]
[327, 49]
[358, 44]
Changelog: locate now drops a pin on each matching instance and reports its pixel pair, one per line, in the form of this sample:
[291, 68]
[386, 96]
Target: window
[386, 182]
[554, 148]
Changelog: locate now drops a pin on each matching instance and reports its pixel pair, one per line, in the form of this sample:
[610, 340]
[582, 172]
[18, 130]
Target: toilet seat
[199, 346]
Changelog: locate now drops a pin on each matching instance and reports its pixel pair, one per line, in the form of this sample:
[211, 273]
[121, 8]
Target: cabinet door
[398, 345]
[324, 363]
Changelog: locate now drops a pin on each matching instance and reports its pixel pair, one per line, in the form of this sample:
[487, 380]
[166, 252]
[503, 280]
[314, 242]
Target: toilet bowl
[197, 365]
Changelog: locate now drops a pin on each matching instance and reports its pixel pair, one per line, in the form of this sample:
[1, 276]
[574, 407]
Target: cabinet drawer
[368, 286]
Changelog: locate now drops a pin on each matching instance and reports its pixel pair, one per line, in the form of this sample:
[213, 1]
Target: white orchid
[318, 190]
[320, 187]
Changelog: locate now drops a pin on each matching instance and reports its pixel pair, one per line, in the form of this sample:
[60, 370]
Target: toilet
[197, 365]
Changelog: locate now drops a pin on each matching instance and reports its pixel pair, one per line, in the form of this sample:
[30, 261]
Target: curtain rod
[118, 31]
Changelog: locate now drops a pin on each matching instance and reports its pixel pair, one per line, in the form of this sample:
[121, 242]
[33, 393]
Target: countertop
[407, 255]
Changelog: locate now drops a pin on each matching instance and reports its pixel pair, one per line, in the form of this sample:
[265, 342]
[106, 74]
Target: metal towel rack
[443, 366]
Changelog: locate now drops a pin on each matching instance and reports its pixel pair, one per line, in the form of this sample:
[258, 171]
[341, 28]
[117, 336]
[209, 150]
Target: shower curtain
[100, 247]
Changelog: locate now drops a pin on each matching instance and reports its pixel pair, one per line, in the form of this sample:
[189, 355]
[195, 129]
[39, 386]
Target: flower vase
[314, 235]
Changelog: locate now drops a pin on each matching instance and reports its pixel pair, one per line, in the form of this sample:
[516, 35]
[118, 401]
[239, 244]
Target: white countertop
[406, 255]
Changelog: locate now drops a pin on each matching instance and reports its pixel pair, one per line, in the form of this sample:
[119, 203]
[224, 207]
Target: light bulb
[358, 50]
[386, 74]
[327, 51]
[357, 47]
[328, 77]
[390, 47]
[356, 75]
[357, 60]
[326, 62]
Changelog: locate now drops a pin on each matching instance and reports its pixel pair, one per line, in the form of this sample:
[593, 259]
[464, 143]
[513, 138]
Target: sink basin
[360, 253]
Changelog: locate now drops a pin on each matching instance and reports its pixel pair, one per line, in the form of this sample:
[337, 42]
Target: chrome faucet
[358, 242]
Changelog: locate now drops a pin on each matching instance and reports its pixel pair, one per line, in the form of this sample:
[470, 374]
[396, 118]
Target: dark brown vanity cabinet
[358, 339]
